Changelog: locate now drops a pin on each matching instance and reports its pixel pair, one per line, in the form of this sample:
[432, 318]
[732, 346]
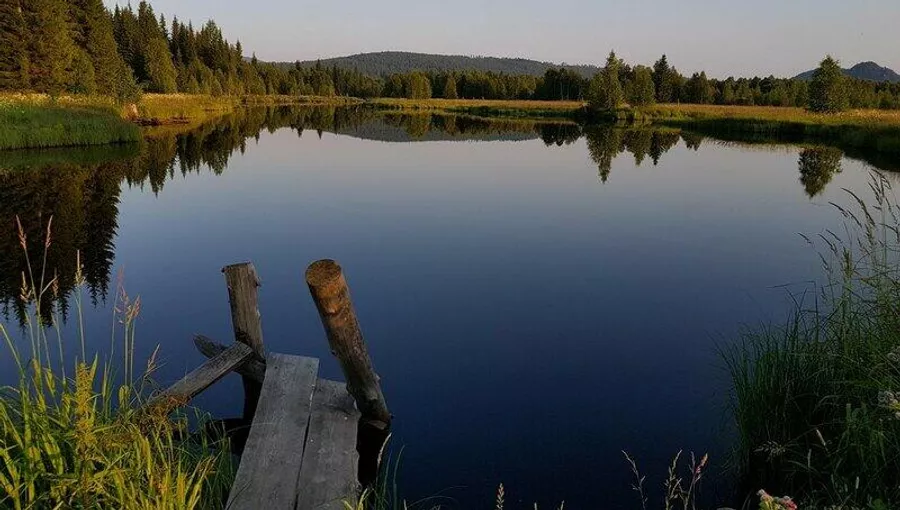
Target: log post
[243, 296]
[332, 297]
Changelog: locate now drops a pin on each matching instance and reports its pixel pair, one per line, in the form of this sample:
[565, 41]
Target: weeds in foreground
[78, 439]
[816, 400]
[680, 491]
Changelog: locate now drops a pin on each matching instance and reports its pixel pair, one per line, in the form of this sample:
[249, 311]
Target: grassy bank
[872, 130]
[486, 108]
[71, 436]
[817, 400]
[162, 109]
[37, 121]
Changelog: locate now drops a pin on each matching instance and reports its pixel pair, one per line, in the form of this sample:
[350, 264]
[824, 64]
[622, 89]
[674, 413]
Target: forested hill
[863, 71]
[389, 62]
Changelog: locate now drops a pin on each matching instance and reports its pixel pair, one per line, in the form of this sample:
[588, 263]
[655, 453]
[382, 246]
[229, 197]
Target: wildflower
[768, 502]
[890, 400]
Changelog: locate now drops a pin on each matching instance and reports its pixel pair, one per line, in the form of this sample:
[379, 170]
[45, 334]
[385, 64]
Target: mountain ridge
[388, 62]
[863, 71]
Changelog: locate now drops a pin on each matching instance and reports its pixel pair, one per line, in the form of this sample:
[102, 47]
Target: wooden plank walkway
[311, 442]
[301, 453]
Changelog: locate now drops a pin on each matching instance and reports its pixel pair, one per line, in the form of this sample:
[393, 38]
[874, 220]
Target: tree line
[80, 46]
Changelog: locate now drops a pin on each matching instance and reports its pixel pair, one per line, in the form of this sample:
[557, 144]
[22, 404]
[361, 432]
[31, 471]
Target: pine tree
[662, 80]
[83, 76]
[125, 31]
[50, 48]
[450, 88]
[14, 69]
[828, 88]
[94, 34]
[157, 72]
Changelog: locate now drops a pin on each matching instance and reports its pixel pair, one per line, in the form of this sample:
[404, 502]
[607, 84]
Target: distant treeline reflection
[81, 189]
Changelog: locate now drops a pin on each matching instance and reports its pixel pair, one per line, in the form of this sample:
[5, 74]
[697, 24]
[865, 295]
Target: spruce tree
[828, 88]
[662, 80]
[50, 48]
[157, 72]
[94, 34]
[13, 47]
[83, 77]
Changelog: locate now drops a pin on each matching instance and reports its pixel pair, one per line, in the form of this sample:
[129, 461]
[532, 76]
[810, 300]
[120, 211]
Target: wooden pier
[312, 442]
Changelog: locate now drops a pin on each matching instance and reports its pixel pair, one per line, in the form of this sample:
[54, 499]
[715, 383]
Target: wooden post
[332, 297]
[243, 296]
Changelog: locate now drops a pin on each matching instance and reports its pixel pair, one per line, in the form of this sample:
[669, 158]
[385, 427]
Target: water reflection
[817, 166]
[81, 189]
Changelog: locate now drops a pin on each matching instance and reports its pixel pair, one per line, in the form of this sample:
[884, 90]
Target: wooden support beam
[253, 368]
[203, 377]
[243, 296]
[332, 297]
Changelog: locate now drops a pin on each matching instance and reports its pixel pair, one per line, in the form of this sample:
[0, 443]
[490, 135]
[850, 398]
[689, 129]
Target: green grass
[817, 400]
[161, 109]
[488, 108]
[29, 123]
[872, 130]
[76, 438]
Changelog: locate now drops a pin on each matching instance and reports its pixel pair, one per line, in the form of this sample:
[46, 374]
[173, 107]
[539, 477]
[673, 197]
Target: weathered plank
[328, 473]
[270, 467]
[243, 297]
[253, 368]
[203, 377]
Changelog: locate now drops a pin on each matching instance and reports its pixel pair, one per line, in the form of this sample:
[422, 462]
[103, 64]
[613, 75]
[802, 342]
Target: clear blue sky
[724, 37]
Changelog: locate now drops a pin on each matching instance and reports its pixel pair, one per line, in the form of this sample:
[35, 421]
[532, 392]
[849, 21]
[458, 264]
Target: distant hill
[863, 71]
[387, 62]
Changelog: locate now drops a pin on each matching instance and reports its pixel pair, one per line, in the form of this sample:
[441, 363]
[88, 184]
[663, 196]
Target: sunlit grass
[38, 121]
[889, 118]
[73, 431]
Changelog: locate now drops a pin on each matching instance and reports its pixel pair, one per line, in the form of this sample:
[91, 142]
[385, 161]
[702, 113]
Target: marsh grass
[162, 109]
[487, 108]
[37, 121]
[817, 400]
[76, 435]
[874, 130]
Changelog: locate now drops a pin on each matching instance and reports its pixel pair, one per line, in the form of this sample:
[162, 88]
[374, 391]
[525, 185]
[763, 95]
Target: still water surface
[534, 299]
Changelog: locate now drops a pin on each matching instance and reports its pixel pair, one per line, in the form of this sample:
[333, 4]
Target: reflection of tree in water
[661, 143]
[606, 143]
[817, 167]
[559, 133]
[692, 140]
[81, 189]
[83, 202]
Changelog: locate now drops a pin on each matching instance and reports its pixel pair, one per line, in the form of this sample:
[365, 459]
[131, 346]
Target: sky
[722, 37]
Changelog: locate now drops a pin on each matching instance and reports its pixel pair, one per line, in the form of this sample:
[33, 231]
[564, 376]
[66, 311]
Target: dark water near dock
[536, 297]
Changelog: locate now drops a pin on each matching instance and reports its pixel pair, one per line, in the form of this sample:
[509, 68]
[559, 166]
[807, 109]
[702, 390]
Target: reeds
[73, 433]
[814, 399]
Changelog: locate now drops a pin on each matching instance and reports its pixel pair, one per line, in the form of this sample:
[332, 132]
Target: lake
[537, 297]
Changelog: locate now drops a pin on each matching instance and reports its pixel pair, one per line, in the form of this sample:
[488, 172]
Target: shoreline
[37, 121]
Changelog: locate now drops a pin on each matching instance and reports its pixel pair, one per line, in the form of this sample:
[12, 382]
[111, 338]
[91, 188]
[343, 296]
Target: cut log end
[242, 270]
[323, 273]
